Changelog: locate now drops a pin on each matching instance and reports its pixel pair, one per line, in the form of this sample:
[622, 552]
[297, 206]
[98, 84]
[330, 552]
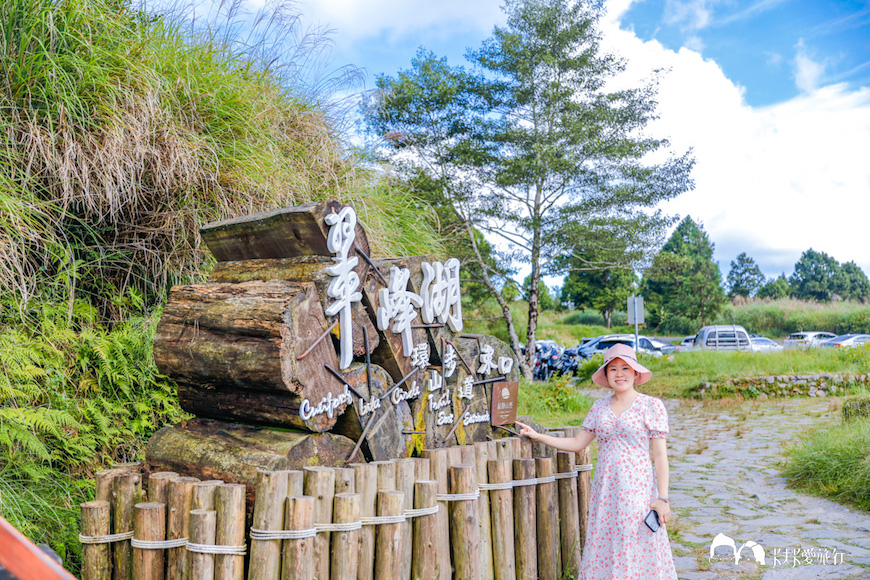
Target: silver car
[807, 339]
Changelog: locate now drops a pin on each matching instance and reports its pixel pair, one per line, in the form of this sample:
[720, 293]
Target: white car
[687, 343]
[847, 340]
[763, 344]
[807, 339]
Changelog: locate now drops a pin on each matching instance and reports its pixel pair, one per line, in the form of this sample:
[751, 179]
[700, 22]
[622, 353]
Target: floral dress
[618, 543]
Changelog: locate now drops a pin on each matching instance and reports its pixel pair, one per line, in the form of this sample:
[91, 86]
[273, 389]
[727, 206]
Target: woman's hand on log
[527, 431]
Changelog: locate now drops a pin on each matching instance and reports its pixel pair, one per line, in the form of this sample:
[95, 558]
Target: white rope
[525, 482]
[495, 486]
[105, 539]
[566, 475]
[283, 534]
[548, 479]
[339, 527]
[219, 550]
[158, 544]
[586, 467]
[458, 496]
[417, 512]
[378, 520]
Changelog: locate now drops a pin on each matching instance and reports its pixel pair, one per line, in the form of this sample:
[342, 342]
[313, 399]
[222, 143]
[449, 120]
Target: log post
[526, 448]
[524, 519]
[421, 469]
[388, 537]
[568, 519]
[229, 502]
[502, 504]
[584, 486]
[125, 491]
[386, 475]
[265, 560]
[320, 484]
[405, 478]
[158, 486]
[344, 481]
[424, 555]
[96, 558]
[438, 461]
[464, 523]
[298, 560]
[345, 545]
[202, 494]
[203, 526]
[481, 457]
[179, 494]
[295, 482]
[504, 449]
[547, 514]
[149, 524]
[366, 482]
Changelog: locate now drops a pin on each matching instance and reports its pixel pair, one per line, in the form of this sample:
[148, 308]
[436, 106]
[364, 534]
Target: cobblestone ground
[725, 478]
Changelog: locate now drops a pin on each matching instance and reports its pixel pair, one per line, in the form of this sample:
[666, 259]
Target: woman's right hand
[526, 431]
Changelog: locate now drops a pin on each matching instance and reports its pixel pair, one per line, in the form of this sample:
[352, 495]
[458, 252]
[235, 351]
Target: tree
[603, 289]
[775, 288]
[852, 283]
[745, 277]
[531, 147]
[683, 280]
[815, 276]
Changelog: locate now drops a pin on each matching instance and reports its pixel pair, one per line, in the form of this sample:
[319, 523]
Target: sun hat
[627, 354]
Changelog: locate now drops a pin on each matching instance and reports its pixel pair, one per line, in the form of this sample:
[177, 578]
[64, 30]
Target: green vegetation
[778, 318]
[553, 404]
[832, 462]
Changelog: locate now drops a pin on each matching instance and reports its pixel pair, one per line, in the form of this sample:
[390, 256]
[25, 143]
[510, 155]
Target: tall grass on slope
[122, 132]
[834, 462]
[779, 318]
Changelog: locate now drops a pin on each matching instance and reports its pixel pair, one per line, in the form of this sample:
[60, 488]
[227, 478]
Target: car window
[645, 343]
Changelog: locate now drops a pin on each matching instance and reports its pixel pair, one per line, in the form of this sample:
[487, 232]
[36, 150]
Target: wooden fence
[503, 509]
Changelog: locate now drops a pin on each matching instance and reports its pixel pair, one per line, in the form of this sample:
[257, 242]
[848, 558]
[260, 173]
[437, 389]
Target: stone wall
[817, 385]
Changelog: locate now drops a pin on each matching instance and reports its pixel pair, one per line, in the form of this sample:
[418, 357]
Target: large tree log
[385, 438]
[300, 269]
[232, 452]
[233, 349]
[281, 233]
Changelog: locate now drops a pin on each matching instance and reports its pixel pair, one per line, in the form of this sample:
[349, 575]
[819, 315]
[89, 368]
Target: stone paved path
[725, 479]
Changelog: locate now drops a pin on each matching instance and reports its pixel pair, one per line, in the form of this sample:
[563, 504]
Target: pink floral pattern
[618, 543]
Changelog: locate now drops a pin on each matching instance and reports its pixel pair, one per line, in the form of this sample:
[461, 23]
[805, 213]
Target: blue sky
[772, 95]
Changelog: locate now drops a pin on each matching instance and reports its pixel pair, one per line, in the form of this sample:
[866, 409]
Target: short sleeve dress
[618, 543]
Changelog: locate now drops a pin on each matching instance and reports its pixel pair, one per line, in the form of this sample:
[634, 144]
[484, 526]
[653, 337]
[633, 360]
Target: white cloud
[692, 15]
[807, 72]
[771, 181]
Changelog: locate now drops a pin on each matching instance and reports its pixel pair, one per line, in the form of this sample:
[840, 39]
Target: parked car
[722, 337]
[807, 339]
[763, 344]
[847, 340]
[646, 345]
[687, 343]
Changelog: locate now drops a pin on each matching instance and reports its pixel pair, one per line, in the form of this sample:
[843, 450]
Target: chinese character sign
[442, 299]
[399, 304]
[344, 284]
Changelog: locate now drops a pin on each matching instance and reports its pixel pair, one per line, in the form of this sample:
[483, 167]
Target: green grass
[556, 403]
[833, 462]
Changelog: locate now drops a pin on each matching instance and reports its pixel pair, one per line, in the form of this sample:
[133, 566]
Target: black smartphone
[652, 520]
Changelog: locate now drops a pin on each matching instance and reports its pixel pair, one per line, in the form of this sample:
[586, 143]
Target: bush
[784, 316]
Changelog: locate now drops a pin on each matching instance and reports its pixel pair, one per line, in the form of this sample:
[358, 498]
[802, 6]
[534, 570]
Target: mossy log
[282, 233]
[301, 269]
[233, 452]
[385, 438]
[233, 350]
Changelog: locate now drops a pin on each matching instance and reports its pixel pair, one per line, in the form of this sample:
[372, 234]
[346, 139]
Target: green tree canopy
[590, 284]
[816, 277]
[531, 145]
[745, 277]
[775, 288]
[852, 283]
[683, 280]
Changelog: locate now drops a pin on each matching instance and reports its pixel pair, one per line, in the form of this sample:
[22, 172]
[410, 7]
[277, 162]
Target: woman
[618, 543]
